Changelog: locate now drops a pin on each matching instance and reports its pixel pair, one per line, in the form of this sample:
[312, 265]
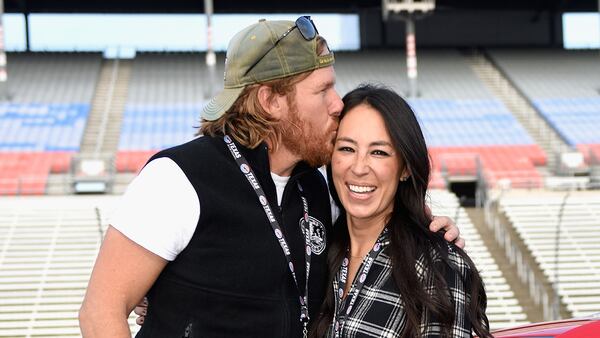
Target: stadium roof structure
[244, 6]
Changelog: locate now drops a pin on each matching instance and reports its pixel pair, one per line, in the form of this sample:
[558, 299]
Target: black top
[232, 279]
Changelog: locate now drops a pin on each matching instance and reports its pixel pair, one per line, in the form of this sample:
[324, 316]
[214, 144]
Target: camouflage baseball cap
[265, 51]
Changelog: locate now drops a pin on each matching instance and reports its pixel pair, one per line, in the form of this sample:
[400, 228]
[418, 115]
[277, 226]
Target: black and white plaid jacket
[379, 309]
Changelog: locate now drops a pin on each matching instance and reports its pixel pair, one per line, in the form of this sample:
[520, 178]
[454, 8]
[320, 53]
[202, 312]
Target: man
[227, 234]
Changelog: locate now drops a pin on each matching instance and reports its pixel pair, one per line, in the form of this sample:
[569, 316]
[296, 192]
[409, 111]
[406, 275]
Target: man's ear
[273, 104]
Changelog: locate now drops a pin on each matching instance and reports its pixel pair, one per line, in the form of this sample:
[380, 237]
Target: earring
[403, 179]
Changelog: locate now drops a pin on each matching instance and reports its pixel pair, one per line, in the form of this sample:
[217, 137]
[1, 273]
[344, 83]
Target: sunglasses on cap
[305, 26]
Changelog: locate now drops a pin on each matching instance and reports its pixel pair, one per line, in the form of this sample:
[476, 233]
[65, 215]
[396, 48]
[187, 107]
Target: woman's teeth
[360, 189]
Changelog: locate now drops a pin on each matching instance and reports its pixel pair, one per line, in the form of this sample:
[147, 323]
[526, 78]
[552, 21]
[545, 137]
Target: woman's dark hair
[408, 225]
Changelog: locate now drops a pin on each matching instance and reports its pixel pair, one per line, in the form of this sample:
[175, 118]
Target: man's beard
[297, 136]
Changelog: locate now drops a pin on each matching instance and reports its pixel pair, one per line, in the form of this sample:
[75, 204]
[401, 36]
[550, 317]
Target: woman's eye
[380, 153]
[345, 149]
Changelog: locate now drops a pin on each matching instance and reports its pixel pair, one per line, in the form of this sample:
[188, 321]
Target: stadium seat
[515, 163]
[437, 180]
[503, 309]
[591, 153]
[159, 114]
[42, 124]
[40, 139]
[576, 258]
[567, 97]
[132, 161]
[26, 173]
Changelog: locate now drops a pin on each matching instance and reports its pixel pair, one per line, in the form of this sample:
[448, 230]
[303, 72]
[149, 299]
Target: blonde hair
[246, 121]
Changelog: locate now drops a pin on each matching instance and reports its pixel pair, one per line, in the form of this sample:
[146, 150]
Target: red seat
[459, 164]
[132, 161]
[24, 172]
[537, 155]
[8, 186]
[33, 185]
[61, 162]
[437, 181]
[515, 163]
[591, 153]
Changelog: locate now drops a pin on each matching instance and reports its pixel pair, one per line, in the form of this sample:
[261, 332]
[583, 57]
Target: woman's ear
[405, 175]
[274, 104]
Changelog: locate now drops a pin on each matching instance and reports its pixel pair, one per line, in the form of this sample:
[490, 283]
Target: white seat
[535, 220]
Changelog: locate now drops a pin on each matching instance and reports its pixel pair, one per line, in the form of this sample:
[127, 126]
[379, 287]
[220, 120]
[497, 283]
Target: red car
[568, 328]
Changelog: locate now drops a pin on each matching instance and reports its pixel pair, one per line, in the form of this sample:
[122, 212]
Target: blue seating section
[154, 127]
[42, 127]
[576, 119]
[448, 123]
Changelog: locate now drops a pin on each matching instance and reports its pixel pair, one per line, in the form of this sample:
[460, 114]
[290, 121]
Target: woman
[391, 276]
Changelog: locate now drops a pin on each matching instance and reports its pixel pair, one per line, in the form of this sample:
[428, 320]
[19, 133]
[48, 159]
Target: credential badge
[318, 239]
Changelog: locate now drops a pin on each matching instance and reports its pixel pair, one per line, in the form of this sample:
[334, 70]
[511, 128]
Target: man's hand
[141, 309]
[452, 233]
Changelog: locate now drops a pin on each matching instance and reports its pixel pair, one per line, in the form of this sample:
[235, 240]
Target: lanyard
[344, 311]
[247, 171]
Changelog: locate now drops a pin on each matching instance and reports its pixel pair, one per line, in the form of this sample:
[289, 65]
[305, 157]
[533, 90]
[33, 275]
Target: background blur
[507, 93]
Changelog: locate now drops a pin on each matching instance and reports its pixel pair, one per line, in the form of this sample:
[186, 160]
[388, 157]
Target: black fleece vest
[232, 279]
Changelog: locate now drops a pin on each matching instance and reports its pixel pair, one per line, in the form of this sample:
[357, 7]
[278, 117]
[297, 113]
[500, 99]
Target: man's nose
[337, 105]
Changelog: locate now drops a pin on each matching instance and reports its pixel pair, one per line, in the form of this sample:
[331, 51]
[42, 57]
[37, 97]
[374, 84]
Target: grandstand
[48, 246]
[166, 92]
[559, 255]
[503, 308]
[468, 130]
[503, 122]
[42, 124]
[567, 97]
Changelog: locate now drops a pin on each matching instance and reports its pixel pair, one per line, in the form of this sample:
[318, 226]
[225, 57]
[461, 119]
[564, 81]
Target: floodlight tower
[408, 11]
[211, 58]
[3, 74]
